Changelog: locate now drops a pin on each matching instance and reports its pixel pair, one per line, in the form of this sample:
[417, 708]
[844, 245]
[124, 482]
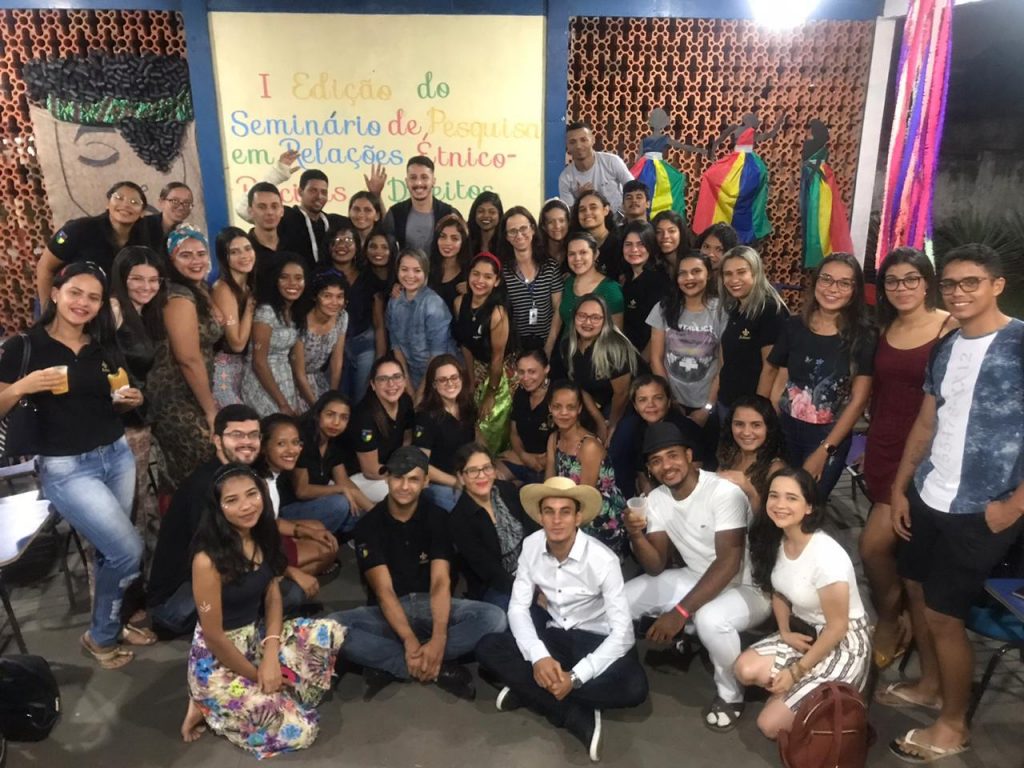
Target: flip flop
[135, 635]
[894, 695]
[910, 751]
[110, 657]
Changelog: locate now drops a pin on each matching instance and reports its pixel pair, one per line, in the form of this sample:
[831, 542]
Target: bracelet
[683, 612]
[270, 637]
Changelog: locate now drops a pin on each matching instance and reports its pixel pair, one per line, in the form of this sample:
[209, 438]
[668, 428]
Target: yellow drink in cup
[62, 388]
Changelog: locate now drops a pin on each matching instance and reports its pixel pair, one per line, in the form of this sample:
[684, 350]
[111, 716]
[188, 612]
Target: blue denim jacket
[420, 329]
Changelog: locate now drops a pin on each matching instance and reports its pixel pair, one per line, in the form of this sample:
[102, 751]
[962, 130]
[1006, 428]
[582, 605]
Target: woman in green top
[585, 278]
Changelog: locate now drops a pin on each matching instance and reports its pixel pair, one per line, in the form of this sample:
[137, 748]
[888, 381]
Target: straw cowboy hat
[589, 498]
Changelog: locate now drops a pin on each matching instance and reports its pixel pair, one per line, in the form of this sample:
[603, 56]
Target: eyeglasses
[181, 205]
[967, 285]
[844, 285]
[237, 434]
[485, 470]
[145, 281]
[584, 318]
[344, 240]
[117, 197]
[910, 282]
[394, 378]
[518, 231]
[444, 381]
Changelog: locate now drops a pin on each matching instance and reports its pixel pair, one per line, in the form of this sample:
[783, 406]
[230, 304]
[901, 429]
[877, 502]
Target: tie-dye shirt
[977, 453]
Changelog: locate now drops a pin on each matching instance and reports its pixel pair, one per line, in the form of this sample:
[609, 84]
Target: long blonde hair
[612, 350]
[761, 294]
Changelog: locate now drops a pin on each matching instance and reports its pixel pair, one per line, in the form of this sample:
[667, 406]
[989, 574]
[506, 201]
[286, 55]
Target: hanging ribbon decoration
[923, 83]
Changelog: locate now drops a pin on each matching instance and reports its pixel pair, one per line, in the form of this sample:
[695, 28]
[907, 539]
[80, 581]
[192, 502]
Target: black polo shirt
[640, 294]
[366, 436]
[92, 239]
[359, 302]
[319, 467]
[585, 376]
[442, 434]
[264, 255]
[84, 418]
[406, 549]
[532, 424]
[742, 342]
[153, 229]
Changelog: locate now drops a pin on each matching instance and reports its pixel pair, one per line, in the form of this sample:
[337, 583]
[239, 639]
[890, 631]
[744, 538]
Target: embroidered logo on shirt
[745, 334]
[419, 432]
[61, 238]
[366, 435]
[365, 552]
[423, 557]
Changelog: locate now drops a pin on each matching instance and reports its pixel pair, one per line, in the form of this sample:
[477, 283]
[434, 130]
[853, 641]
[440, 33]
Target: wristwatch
[830, 449]
[575, 680]
[709, 407]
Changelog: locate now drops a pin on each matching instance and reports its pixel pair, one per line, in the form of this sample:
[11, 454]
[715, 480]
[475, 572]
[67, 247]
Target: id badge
[532, 317]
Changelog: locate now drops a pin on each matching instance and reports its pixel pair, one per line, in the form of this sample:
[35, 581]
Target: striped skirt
[846, 663]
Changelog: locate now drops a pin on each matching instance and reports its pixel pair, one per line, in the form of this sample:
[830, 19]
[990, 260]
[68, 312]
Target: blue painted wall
[557, 13]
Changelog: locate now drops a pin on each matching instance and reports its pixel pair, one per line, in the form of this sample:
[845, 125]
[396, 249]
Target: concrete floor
[131, 717]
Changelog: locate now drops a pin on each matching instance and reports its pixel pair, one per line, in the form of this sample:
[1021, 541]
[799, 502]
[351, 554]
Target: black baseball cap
[663, 435]
[405, 460]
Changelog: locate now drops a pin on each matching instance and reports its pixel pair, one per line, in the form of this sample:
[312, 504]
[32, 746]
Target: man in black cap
[705, 518]
[411, 627]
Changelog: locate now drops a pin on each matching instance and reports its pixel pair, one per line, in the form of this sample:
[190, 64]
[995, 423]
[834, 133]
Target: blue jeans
[93, 491]
[359, 354]
[624, 451]
[496, 597]
[443, 496]
[371, 642]
[802, 439]
[333, 511]
[177, 613]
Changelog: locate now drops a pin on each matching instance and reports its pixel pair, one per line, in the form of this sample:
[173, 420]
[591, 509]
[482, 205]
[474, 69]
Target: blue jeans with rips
[93, 491]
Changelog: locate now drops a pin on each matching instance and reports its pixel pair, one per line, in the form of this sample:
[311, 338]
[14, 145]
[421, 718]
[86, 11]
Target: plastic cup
[637, 507]
[62, 388]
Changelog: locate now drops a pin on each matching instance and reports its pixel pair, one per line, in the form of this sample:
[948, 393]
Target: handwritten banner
[350, 91]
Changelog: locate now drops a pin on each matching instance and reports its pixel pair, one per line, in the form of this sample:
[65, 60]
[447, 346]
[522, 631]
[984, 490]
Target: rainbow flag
[826, 227]
[734, 190]
[667, 185]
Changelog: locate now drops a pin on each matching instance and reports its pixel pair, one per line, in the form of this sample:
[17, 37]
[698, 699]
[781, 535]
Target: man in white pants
[705, 518]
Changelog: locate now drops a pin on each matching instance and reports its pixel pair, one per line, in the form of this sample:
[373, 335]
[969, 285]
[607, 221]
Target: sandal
[895, 695]
[109, 657]
[136, 635]
[910, 751]
[721, 716]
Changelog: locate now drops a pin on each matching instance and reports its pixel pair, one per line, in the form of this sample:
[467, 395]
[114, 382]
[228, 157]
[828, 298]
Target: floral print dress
[607, 527]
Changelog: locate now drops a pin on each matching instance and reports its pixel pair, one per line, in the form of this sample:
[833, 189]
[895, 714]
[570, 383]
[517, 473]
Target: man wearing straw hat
[573, 656]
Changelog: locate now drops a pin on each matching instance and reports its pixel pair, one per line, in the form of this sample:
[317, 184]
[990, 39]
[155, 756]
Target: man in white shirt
[589, 170]
[577, 657]
[705, 518]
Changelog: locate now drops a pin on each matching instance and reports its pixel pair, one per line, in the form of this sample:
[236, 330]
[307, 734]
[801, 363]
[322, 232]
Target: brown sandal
[109, 657]
[136, 635]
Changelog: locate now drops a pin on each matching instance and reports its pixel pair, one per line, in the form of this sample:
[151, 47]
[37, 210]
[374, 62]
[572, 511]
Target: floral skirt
[267, 724]
[496, 427]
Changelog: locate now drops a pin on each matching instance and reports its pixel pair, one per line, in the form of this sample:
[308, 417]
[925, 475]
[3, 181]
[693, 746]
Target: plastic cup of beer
[637, 507]
[62, 388]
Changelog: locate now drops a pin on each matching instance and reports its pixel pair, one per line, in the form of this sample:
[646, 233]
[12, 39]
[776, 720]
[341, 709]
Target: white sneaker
[506, 701]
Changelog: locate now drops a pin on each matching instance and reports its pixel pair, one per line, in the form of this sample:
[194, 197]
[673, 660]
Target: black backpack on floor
[29, 698]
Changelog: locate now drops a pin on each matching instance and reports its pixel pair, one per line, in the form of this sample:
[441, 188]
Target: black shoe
[507, 701]
[585, 725]
[376, 681]
[456, 680]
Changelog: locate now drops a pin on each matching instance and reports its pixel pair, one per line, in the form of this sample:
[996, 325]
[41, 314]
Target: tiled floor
[130, 718]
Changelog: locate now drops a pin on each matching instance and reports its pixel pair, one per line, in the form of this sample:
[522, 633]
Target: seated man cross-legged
[575, 657]
[412, 627]
[705, 518]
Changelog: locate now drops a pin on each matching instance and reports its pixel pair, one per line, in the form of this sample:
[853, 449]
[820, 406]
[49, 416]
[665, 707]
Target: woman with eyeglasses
[137, 302]
[532, 282]
[362, 301]
[234, 296]
[554, 228]
[73, 376]
[180, 387]
[599, 358]
[487, 526]
[911, 324]
[825, 358]
[449, 257]
[96, 238]
[268, 382]
[382, 422]
[445, 421]
[255, 681]
[176, 203]
[686, 345]
[319, 353]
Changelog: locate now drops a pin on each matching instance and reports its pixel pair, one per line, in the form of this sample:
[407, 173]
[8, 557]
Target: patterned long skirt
[496, 427]
[267, 724]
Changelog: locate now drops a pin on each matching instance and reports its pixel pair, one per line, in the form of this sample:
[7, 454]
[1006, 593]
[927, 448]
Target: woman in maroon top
[911, 324]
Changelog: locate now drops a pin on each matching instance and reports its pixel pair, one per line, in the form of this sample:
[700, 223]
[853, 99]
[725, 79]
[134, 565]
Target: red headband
[491, 258]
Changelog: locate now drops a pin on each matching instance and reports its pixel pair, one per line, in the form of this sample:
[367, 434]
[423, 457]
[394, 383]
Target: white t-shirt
[691, 524]
[606, 175]
[822, 562]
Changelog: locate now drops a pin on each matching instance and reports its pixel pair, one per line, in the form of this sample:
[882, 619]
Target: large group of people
[474, 402]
